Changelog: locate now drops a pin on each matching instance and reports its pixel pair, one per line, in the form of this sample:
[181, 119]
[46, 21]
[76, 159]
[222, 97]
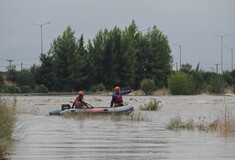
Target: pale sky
[193, 24]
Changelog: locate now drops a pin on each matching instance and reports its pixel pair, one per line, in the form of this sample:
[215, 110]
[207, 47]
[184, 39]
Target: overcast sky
[193, 24]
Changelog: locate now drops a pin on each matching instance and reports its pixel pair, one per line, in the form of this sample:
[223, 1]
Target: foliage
[181, 84]
[7, 121]
[98, 87]
[175, 123]
[186, 68]
[25, 77]
[110, 58]
[11, 74]
[224, 124]
[114, 57]
[45, 73]
[1, 81]
[228, 77]
[25, 89]
[198, 80]
[153, 57]
[153, 105]
[9, 89]
[216, 84]
[147, 86]
[41, 89]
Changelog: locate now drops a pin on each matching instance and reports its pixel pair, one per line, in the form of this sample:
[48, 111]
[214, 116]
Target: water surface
[39, 136]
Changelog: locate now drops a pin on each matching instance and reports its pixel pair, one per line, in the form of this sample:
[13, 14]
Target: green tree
[127, 56]
[216, 84]
[1, 80]
[95, 56]
[64, 50]
[45, 74]
[186, 68]
[181, 83]
[147, 86]
[153, 57]
[62, 68]
[113, 54]
[25, 77]
[11, 73]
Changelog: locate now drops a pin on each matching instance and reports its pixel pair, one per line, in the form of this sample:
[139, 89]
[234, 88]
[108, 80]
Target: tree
[11, 73]
[147, 86]
[181, 83]
[114, 57]
[25, 77]
[45, 74]
[153, 57]
[187, 68]
[127, 56]
[1, 80]
[62, 68]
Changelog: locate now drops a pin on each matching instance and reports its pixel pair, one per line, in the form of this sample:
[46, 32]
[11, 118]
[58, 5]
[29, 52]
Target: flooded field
[40, 136]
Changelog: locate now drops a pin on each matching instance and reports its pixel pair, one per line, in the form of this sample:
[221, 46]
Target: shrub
[228, 78]
[7, 121]
[216, 84]
[41, 89]
[25, 89]
[199, 81]
[147, 86]
[9, 89]
[181, 84]
[153, 105]
[98, 87]
[175, 123]
[1, 80]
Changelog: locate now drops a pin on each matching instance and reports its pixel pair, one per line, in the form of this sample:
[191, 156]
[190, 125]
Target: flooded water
[40, 136]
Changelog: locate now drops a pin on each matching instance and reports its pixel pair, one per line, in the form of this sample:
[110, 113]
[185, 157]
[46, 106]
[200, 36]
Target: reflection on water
[55, 137]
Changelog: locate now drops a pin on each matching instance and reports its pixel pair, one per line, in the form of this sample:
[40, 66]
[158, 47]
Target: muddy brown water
[39, 136]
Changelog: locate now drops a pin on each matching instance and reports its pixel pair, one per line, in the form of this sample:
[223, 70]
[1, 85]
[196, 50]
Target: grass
[224, 123]
[176, 123]
[7, 122]
[153, 105]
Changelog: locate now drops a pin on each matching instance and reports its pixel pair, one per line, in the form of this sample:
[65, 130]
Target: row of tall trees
[113, 57]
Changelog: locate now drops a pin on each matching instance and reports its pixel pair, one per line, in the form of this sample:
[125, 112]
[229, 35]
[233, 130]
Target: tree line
[113, 57]
[123, 57]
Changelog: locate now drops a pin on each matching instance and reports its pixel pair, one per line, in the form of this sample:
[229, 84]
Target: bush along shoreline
[7, 123]
[224, 123]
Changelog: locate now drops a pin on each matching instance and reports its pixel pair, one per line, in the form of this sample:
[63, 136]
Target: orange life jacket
[78, 103]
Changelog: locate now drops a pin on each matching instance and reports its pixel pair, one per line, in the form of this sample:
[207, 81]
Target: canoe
[126, 109]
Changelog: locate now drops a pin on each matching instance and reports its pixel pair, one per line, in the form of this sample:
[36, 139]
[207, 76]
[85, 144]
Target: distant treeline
[114, 57]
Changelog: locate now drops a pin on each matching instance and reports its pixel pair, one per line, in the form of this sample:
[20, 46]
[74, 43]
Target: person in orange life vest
[117, 97]
[79, 101]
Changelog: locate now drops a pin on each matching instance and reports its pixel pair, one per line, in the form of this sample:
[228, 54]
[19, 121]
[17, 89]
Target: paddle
[88, 104]
[84, 103]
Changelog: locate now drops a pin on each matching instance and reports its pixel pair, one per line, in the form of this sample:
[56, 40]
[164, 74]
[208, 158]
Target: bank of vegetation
[126, 57]
[7, 122]
[224, 123]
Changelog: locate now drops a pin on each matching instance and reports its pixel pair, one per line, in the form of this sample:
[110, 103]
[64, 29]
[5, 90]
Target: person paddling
[117, 97]
[79, 102]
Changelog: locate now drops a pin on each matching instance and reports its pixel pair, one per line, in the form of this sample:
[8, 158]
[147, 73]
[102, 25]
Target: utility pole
[180, 53]
[41, 25]
[10, 60]
[221, 51]
[217, 68]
